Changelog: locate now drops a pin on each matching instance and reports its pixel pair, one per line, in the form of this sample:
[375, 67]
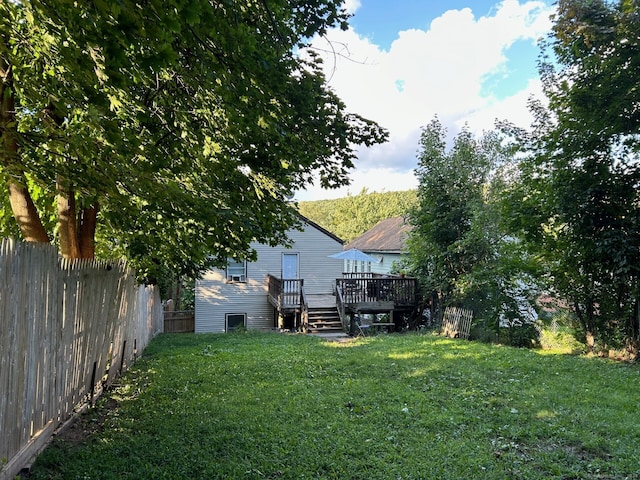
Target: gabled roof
[387, 236]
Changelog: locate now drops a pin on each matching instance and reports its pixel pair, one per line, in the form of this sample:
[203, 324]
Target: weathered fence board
[457, 322]
[65, 328]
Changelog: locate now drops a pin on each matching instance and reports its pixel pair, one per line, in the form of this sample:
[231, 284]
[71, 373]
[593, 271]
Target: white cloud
[351, 6]
[427, 72]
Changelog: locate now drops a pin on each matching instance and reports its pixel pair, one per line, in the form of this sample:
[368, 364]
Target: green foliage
[391, 406]
[458, 247]
[189, 125]
[522, 336]
[561, 339]
[576, 203]
[351, 216]
[450, 189]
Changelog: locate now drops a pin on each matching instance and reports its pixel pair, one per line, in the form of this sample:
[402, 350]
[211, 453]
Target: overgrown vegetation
[575, 203]
[410, 406]
[458, 247]
[554, 208]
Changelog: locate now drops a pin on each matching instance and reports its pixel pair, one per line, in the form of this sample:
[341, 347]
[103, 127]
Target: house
[298, 288]
[385, 242]
[266, 294]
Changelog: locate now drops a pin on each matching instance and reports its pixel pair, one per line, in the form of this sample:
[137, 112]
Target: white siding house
[237, 296]
[385, 242]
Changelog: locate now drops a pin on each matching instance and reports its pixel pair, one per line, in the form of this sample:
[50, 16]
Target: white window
[236, 271]
[235, 320]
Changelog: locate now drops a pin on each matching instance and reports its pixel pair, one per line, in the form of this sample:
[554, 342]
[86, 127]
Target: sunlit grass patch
[252, 405]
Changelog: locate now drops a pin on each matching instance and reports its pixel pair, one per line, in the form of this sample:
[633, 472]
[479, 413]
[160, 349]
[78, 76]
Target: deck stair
[324, 320]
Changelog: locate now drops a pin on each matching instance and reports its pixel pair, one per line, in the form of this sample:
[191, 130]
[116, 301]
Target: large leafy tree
[577, 202]
[449, 191]
[458, 247]
[168, 131]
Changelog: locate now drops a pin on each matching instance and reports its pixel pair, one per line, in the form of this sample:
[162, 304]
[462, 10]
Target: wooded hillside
[351, 216]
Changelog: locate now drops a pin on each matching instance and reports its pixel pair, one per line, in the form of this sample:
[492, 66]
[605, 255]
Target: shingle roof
[387, 236]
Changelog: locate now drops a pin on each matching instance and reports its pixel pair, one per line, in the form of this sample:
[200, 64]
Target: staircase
[324, 320]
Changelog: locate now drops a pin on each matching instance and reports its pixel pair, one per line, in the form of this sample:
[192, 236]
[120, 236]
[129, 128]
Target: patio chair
[362, 329]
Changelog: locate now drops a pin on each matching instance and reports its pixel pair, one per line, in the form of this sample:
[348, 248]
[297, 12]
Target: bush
[483, 332]
[563, 340]
[526, 335]
[561, 332]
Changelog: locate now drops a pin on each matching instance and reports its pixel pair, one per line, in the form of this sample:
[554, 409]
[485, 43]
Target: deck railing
[285, 292]
[372, 288]
[361, 275]
[400, 291]
[341, 310]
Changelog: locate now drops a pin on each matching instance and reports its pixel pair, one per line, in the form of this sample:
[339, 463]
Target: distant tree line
[351, 216]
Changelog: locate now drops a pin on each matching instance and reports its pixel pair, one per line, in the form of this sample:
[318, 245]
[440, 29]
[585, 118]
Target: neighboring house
[385, 242]
[239, 296]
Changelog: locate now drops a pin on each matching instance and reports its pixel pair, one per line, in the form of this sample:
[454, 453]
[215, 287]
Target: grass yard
[269, 406]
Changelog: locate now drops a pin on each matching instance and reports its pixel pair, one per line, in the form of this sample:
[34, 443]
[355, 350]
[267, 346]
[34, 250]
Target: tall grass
[256, 406]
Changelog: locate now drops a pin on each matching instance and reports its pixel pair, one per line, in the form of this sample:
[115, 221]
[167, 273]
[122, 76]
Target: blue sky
[404, 61]
[381, 20]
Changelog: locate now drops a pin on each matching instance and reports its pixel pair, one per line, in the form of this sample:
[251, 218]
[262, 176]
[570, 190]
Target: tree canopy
[173, 133]
[577, 202]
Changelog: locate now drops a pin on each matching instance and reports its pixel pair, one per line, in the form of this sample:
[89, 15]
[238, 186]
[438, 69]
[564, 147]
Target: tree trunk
[633, 331]
[588, 327]
[26, 214]
[590, 340]
[24, 210]
[87, 231]
[178, 295]
[67, 223]
[76, 228]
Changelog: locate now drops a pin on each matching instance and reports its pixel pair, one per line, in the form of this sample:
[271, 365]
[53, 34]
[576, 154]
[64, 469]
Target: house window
[235, 320]
[236, 271]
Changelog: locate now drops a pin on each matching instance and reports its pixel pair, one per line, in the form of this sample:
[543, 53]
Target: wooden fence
[66, 330]
[457, 322]
[179, 321]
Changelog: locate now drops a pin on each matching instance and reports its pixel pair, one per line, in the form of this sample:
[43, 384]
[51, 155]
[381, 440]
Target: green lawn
[267, 406]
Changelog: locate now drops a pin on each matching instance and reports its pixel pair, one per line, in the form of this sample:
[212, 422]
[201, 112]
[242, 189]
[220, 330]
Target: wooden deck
[355, 294]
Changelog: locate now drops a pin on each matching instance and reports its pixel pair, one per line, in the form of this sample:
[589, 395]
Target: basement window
[235, 320]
